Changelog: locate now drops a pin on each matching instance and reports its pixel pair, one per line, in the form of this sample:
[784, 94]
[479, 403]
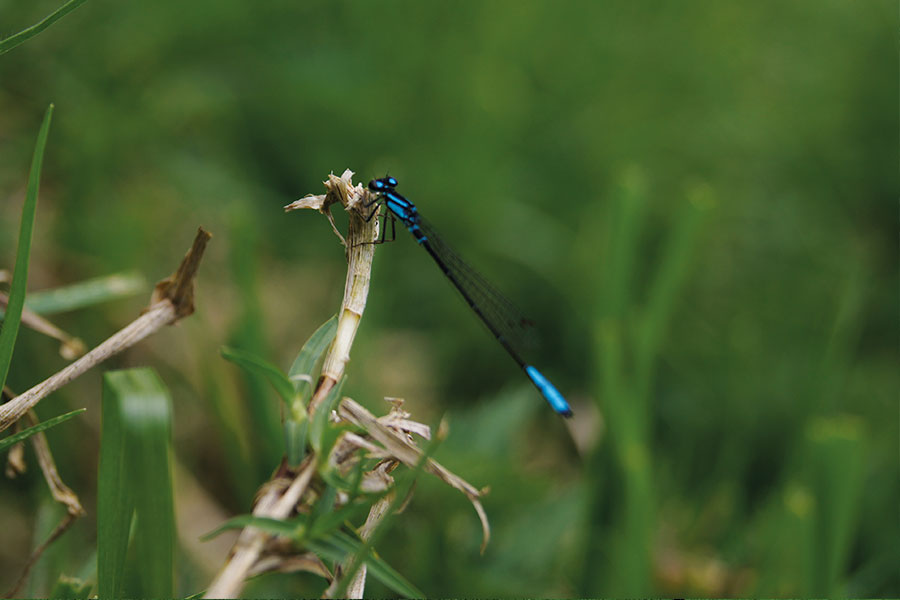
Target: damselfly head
[384, 183]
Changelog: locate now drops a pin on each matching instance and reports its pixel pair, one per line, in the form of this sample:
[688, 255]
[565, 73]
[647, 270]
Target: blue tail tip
[549, 391]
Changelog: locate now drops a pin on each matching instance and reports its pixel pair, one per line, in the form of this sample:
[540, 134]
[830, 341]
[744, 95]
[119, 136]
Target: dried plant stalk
[172, 300]
[386, 438]
[360, 252]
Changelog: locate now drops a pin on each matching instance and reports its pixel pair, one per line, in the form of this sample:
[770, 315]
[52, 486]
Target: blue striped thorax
[402, 208]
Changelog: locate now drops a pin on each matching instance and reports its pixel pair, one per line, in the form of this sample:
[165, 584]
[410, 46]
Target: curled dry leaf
[400, 446]
[378, 479]
[178, 288]
[356, 441]
[311, 201]
[399, 419]
[340, 190]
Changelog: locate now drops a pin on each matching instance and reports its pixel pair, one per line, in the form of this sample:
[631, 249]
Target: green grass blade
[330, 521]
[259, 366]
[301, 372]
[786, 531]
[836, 454]
[320, 419]
[42, 426]
[379, 569]
[363, 552]
[264, 425]
[10, 328]
[115, 505]
[230, 425]
[296, 432]
[302, 377]
[669, 279]
[150, 422]
[629, 205]
[136, 479]
[86, 293]
[291, 528]
[337, 546]
[14, 40]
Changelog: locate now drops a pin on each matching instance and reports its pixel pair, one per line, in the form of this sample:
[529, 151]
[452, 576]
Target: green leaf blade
[10, 327]
[86, 293]
[42, 426]
[291, 528]
[337, 546]
[259, 366]
[296, 433]
[20, 38]
[301, 370]
[319, 425]
[302, 376]
[136, 480]
[362, 552]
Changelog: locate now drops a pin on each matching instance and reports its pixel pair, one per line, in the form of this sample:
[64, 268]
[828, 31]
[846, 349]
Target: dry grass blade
[59, 490]
[251, 542]
[173, 299]
[400, 447]
[178, 288]
[357, 586]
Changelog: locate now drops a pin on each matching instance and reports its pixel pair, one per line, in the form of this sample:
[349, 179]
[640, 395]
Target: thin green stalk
[26, 34]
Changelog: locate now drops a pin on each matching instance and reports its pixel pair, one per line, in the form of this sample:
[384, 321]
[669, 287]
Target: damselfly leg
[388, 216]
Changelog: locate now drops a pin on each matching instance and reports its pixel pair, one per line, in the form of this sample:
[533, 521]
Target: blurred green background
[696, 202]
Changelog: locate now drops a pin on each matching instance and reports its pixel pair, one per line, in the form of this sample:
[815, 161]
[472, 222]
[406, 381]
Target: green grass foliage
[696, 202]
